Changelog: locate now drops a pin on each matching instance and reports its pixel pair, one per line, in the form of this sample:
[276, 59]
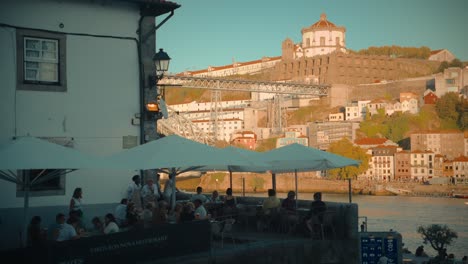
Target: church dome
[323, 22]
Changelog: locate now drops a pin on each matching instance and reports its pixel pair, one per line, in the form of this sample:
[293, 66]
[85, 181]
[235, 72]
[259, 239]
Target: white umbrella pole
[349, 190]
[273, 181]
[24, 236]
[173, 202]
[297, 194]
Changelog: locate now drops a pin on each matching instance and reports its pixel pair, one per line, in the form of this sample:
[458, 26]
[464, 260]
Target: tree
[345, 148]
[438, 236]
[444, 65]
[447, 106]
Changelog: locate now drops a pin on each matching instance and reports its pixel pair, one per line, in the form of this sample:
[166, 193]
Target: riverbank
[308, 182]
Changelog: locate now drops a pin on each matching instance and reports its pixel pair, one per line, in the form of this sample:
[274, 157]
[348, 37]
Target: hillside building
[321, 134]
[247, 139]
[447, 143]
[291, 137]
[356, 110]
[453, 79]
[441, 55]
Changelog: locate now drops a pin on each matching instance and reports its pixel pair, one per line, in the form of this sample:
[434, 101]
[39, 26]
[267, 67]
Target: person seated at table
[271, 203]
[160, 213]
[199, 196]
[147, 215]
[174, 216]
[66, 231]
[132, 217]
[230, 203]
[315, 216]
[121, 213]
[270, 210]
[215, 197]
[289, 207]
[110, 224]
[200, 211]
[36, 234]
[98, 226]
[187, 214]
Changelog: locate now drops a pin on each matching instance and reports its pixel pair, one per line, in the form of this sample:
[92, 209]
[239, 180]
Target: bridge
[177, 123]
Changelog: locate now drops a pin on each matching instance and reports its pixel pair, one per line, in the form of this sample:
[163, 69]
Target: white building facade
[72, 82]
[323, 37]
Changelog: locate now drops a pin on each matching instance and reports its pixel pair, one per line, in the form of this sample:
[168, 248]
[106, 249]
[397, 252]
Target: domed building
[322, 37]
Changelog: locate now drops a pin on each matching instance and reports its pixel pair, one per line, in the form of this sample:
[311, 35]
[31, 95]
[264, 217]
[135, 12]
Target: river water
[405, 214]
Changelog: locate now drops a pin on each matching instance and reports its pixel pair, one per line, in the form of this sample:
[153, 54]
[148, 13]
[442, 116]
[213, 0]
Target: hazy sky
[214, 32]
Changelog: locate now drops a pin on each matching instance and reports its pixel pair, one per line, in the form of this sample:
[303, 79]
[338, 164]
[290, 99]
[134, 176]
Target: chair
[328, 224]
[227, 230]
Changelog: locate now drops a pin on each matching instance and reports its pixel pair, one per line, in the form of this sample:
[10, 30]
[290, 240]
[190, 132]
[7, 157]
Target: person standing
[76, 210]
[169, 187]
[134, 192]
[150, 193]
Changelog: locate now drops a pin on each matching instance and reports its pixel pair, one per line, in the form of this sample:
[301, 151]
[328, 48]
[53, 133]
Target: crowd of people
[146, 205]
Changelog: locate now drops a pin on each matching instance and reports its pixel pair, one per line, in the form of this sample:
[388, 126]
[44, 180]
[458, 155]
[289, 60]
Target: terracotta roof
[421, 151]
[383, 146]
[433, 52]
[437, 132]
[229, 66]
[370, 141]
[461, 158]
[323, 22]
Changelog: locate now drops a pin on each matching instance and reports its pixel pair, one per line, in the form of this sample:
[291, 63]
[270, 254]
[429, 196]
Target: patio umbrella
[296, 158]
[255, 162]
[174, 154]
[27, 153]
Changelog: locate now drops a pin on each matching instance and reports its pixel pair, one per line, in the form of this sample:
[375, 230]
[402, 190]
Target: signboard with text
[374, 245]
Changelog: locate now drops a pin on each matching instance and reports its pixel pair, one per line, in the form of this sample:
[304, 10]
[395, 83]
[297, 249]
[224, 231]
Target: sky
[206, 33]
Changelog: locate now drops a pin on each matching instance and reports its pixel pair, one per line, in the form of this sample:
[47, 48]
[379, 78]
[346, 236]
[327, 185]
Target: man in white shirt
[121, 212]
[168, 189]
[66, 231]
[150, 192]
[200, 211]
[133, 187]
[199, 196]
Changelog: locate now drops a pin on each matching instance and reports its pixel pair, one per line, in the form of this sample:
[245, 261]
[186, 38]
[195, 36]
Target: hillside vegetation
[398, 52]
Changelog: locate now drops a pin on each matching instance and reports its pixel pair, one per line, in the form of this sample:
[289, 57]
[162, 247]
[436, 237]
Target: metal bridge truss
[177, 123]
[246, 85]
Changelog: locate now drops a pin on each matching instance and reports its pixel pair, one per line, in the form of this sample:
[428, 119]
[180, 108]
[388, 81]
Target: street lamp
[161, 63]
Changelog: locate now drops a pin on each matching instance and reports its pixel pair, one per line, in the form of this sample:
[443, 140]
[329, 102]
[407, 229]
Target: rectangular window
[48, 182]
[41, 61]
[450, 81]
[322, 41]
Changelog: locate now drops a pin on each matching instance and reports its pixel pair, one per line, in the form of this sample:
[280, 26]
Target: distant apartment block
[223, 130]
[356, 110]
[321, 134]
[451, 80]
[402, 165]
[245, 138]
[422, 165]
[291, 137]
[207, 106]
[381, 164]
[336, 117]
[447, 143]
[460, 167]
[236, 68]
